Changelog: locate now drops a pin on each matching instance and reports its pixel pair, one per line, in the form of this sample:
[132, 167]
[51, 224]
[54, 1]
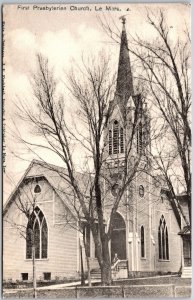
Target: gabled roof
[58, 180]
[166, 191]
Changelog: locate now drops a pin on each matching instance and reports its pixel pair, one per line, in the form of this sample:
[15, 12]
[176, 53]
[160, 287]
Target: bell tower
[130, 117]
[127, 140]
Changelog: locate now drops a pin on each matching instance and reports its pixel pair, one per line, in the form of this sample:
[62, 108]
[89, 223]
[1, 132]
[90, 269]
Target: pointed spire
[124, 88]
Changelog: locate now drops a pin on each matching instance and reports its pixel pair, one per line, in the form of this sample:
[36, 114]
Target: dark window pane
[37, 189]
[167, 246]
[142, 242]
[141, 191]
[163, 239]
[37, 239]
[37, 209]
[47, 276]
[24, 276]
[40, 216]
[29, 241]
[159, 243]
[44, 239]
[163, 243]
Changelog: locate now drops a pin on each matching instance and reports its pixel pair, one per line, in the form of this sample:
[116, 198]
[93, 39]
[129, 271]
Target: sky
[63, 35]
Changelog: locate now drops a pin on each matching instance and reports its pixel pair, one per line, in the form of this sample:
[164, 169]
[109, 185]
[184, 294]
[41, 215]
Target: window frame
[24, 273]
[37, 186]
[45, 274]
[143, 243]
[40, 224]
[163, 240]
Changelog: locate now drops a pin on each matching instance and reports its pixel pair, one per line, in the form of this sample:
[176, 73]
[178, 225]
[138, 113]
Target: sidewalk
[53, 286]
[63, 285]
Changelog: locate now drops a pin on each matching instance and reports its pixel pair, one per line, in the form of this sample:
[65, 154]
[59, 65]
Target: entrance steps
[119, 270]
[187, 272]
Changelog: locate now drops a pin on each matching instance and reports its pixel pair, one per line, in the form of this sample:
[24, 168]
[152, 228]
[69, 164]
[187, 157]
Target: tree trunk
[89, 275]
[106, 277]
[34, 272]
[82, 268]
[87, 254]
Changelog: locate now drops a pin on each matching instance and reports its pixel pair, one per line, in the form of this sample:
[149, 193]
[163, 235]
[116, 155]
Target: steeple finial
[124, 88]
[123, 20]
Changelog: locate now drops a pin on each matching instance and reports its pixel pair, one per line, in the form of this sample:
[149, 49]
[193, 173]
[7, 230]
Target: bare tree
[25, 202]
[165, 68]
[91, 88]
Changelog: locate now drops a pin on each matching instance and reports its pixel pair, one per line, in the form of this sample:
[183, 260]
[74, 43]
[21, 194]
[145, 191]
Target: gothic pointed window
[115, 139]
[37, 189]
[37, 235]
[163, 245]
[142, 242]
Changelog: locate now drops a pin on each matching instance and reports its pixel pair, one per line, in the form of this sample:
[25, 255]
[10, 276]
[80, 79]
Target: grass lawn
[178, 281]
[129, 288]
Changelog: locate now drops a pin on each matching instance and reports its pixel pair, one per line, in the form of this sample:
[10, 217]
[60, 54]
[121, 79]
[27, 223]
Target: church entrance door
[118, 238]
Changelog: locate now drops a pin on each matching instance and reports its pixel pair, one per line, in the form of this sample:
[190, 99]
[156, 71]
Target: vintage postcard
[96, 150]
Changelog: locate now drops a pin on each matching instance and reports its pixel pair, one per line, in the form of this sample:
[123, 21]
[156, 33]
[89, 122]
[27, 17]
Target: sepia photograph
[96, 150]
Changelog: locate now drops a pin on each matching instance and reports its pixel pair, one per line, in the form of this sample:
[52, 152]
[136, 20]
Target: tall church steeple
[124, 87]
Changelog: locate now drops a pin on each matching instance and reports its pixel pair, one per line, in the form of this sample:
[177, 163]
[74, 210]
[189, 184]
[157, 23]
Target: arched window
[116, 139]
[163, 244]
[142, 242]
[37, 189]
[37, 235]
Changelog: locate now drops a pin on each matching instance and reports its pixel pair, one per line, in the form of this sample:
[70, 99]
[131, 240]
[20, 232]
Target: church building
[145, 231]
